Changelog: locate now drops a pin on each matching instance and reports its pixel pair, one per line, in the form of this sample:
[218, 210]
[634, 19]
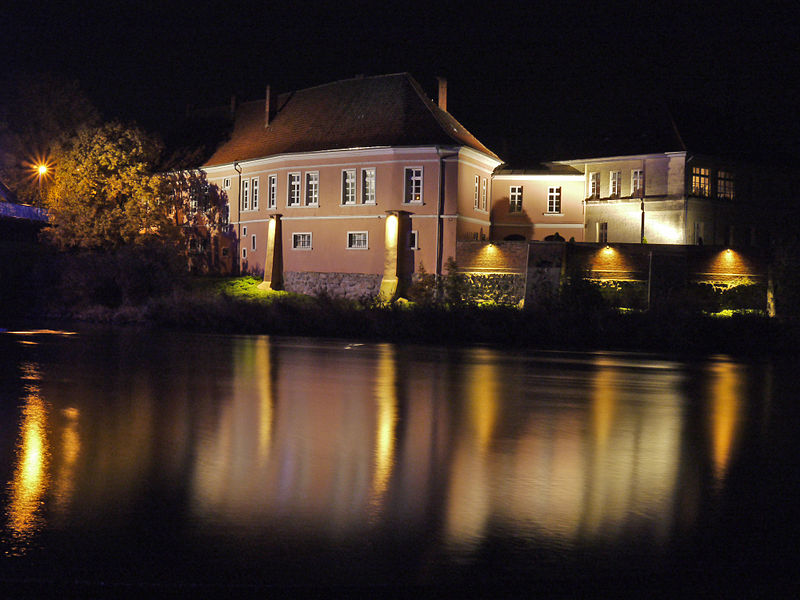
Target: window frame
[701, 182]
[294, 189]
[594, 185]
[298, 236]
[615, 184]
[351, 237]
[308, 198]
[369, 184]
[515, 197]
[254, 181]
[726, 185]
[413, 239]
[245, 195]
[484, 194]
[253, 243]
[413, 179]
[477, 188]
[226, 183]
[347, 190]
[272, 192]
[554, 200]
[602, 232]
[637, 183]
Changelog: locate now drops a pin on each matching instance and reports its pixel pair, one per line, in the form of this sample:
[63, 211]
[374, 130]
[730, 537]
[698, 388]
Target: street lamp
[41, 171]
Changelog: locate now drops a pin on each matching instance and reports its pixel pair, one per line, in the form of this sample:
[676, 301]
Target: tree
[104, 192]
[38, 112]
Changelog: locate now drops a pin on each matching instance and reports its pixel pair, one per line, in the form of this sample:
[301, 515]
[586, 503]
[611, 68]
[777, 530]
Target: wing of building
[352, 186]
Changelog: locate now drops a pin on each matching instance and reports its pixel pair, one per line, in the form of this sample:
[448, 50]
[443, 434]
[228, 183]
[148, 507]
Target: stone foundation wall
[497, 288]
[339, 285]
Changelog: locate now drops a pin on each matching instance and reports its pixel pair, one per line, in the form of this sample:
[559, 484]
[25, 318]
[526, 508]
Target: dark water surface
[173, 461]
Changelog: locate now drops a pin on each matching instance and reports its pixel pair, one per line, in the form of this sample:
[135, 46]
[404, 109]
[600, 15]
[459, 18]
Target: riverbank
[235, 305]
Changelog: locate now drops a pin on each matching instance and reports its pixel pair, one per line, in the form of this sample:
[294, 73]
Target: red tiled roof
[387, 110]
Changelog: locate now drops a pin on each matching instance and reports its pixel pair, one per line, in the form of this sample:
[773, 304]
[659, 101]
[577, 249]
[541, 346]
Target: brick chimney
[442, 93]
[267, 108]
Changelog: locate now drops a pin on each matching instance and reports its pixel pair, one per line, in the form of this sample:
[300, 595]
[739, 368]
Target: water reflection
[725, 382]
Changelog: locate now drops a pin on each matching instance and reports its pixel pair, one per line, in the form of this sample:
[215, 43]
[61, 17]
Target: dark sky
[519, 78]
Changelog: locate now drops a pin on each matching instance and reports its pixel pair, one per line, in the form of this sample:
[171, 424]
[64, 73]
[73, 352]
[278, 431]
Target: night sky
[522, 80]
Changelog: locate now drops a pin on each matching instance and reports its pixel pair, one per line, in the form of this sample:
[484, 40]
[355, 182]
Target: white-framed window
[484, 195]
[349, 186]
[272, 191]
[700, 182]
[413, 239]
[554, 199]
[253, 242]
[357, 240]
[245, 194]
[244, 252]
[602, 233]
[312, 188]
[412, 191]
[244, 231]
[725, 185]
[515, 198]
[226, 183]
[594, 185]
[615, 185]
[368, 195]
[254, 193]
[293, 198]
[637, 182]
[301, 241]
[477, 195]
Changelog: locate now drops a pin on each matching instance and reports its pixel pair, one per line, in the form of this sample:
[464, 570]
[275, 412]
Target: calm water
[172, 459]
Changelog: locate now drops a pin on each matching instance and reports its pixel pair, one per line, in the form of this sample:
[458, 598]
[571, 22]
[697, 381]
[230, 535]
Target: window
[554, 200]
[515, 198]
[357, 240]
[413, 185]
[226, 183]
[725, 185]
[616, 184]
[254, 193]
[244, 231]
[477, 195]
[301, 241]
[368, 186]
[226, 212]
[637, 182]
[253, 244]
[700, 185]
[272, 191]
[483, 193]
[245, 194]
[602, 233]
[413, 239]
[699, 232]
[312, 188]
[594, 185]
[244, 252]
[349, 186]
[294, 189]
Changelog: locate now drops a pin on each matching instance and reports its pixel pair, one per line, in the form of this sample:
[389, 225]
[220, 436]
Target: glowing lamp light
[41, 169]
[391, 230]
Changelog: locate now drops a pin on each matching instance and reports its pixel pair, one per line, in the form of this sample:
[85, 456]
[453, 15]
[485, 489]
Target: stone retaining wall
[339, 285]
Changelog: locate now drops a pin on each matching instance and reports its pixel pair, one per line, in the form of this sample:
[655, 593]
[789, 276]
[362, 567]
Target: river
[181, 461]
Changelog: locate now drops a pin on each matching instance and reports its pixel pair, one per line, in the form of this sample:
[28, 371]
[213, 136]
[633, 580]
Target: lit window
[254, 193]
[294, 189]
[725, 185]
[349, 186]
[515, 198]
[637, 182]
[357, 240]
[602, 233]
[368, 186]
[413, 185]
[413, 239]
[301, 241]
[554, 200]
[483, 193]
[245, 194]
[312, 188]
[616, 184]
[477, 194]
[272, 192]
[594, 185]
[700, 185]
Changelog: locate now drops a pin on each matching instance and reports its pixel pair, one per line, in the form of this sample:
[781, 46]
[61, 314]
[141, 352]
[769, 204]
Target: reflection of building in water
[724, 413]
[30, 480]
[386, 399]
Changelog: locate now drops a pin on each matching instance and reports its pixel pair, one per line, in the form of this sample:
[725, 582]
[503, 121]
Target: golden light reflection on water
[64, 485]
[386, 418]
[30, 480]
[724, 414]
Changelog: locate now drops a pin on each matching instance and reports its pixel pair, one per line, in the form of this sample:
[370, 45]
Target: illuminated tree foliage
[104, 192]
